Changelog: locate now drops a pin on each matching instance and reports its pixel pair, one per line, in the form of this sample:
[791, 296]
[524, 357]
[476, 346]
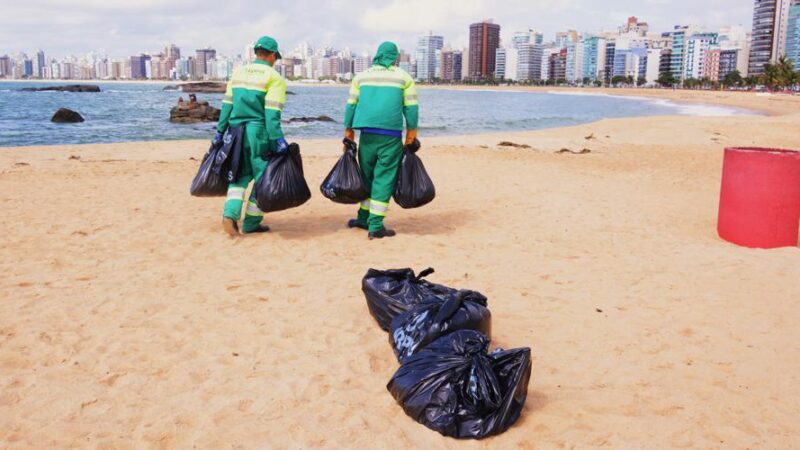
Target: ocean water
[138, 112]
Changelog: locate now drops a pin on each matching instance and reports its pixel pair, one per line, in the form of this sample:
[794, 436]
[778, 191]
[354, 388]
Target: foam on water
[684, 109]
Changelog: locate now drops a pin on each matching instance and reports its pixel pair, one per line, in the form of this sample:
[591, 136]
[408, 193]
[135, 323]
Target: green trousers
[252, 166]
[379, 157]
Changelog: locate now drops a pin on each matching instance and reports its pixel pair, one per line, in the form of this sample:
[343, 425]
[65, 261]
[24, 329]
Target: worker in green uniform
[254, 98]
[380, 98]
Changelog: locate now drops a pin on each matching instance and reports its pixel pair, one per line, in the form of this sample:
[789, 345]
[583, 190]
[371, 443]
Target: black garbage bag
[433, 318]
[210, 181]
[345, 182]
[282, 186]
[390, 293]
[414, 187]
[455, 387]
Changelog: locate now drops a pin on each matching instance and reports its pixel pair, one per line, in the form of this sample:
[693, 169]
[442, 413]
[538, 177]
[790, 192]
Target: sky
[123, 28]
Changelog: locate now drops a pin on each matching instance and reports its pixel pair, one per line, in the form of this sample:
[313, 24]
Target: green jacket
[383, 95]
[256, 93]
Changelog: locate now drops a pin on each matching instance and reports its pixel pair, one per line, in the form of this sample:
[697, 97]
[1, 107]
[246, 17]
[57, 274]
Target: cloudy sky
[121, 28]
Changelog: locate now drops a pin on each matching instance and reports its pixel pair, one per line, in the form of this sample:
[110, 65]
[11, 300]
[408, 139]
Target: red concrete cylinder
[759, 205]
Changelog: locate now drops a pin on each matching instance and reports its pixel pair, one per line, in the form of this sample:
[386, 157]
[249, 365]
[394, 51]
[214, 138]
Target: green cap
[268, 44]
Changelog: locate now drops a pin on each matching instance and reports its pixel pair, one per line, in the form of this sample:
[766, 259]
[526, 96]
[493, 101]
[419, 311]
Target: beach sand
[129, 320]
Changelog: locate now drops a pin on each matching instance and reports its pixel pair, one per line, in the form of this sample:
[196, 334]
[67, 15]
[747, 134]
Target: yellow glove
[410, 136]
[350, 134]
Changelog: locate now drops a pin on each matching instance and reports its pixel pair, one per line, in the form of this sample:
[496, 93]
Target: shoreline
[766, 103]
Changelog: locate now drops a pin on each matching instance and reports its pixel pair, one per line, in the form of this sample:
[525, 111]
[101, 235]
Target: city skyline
[120, 30]
[635, 53]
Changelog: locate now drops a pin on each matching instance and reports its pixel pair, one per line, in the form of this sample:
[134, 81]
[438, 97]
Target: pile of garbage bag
[447, 380]
[435, 317]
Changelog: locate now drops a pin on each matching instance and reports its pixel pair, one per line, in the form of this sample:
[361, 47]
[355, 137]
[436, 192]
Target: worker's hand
[281, 146]
[217, 138]
[349, 144]
[349, 135]
[410, 136]
[414, 146]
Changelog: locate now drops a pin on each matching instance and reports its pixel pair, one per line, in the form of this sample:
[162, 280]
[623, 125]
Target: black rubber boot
[261, 229]
[354, 223]
[380, 234]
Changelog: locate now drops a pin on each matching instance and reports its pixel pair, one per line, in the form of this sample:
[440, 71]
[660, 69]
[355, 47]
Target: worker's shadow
[414, 222]
[289, 227]
[422, 222]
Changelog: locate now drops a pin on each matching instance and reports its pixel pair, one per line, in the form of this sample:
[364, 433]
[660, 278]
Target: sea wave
[684, 109]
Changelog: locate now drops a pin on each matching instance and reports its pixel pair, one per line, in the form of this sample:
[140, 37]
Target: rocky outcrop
[204, 87]
[65, 115]
[171, 87]
[309, 119]
[70, 88]
[193, 112]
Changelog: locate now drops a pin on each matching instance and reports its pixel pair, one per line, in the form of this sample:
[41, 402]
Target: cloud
[421, 15]
[123, 27]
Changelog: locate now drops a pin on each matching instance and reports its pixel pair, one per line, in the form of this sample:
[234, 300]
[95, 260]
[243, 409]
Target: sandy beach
[129, 320]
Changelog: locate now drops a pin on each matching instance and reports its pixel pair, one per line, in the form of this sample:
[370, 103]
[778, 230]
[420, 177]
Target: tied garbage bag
[210, 181]
[282, 186]
[345, 183]
[414, 187]
[415, 329]
[390, 293]
[455, 387]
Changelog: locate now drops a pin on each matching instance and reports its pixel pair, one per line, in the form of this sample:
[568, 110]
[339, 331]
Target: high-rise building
[770, 27]
[548, 51]
[575, 52]
[793, 34]
[653, 65]
[452, 65]
[40, 63]
[611, 50]
[697, 46]
[138, 66]
[558, 66]
[530, 36]
[484, 40]
[679, 37]
[361, 63]
[202, 58]
[428, 50]
[27, 68]
[5, 66]
[565, 37]
[634, 27]
[594, 57]
[711, 63]
[728, 63]
[506, 60]
[529, 63]
[665, 65]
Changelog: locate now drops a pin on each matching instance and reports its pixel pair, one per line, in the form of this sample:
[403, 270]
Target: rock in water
[193, 112]
[171, 87]
[70, 88]
[65, 115]
[204, 87]
[310, 119]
